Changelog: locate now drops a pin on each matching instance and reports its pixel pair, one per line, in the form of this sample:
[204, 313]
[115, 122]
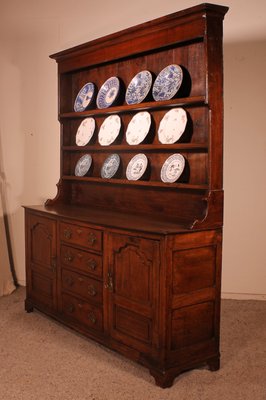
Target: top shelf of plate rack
[152, 105]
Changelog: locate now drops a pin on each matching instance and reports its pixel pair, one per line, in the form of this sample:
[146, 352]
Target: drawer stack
[81, 274]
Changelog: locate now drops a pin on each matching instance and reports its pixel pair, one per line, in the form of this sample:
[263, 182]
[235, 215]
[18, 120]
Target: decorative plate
[167, 83]
[109, 130]
[110, 166]
[85, 131]
[139, 87]
[138, 127]
[136, 167]
[84, 97]
[172, 168]
[108, 92]
[172, 126]
[83, 165]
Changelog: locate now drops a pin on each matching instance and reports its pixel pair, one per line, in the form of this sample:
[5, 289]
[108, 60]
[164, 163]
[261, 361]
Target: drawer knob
[67, 233]
[92, 318]
[92, 264]
[91, 290]
[68, 257]
[70, 308]
[91, 239]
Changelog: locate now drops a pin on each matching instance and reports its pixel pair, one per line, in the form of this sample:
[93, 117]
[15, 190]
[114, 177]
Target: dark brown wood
[136, 265]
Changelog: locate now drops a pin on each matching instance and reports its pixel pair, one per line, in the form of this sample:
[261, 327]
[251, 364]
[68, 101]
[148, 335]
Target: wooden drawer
[85, 313]
[84, 261]
[83, 286]
[80, 235]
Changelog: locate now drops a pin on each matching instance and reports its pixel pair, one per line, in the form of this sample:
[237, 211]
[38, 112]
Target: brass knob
[91, 290]
[92, 264]
[68, 257]
[92, 318]
[91, 238]
[109, 283]
[67, 233]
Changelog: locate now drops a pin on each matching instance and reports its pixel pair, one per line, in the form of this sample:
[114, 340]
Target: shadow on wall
[7, 267]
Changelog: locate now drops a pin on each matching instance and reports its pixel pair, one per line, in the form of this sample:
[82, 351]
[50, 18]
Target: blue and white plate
[139, 87]
[167, 83]
[83, 165]
[110, 166]
[84, 97]
[108, 92]
[172, 168]
[136, 167]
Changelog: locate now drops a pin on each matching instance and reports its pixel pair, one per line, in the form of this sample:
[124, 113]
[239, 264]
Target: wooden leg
[28, 306]
[163, 379]
[214, 364]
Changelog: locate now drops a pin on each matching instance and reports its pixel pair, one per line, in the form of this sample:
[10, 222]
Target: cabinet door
[41, 261]
[131, 280]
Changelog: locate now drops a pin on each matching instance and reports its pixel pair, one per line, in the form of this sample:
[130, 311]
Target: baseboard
[243, 296]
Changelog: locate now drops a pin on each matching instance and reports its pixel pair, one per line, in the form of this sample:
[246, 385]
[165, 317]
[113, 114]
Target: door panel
[132, 278]
[41, 269]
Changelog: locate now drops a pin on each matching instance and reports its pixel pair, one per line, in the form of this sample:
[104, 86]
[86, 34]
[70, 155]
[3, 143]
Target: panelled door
[41, 260]
[132, 284]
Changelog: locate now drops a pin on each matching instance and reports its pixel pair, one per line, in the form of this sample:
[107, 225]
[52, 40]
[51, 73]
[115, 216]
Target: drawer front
[82, 236]
[86, 314]
[83, 286]
[82, 260]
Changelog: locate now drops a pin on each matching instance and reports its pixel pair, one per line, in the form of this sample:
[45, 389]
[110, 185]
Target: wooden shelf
[203, 147]
[179, 102]
[150, 184]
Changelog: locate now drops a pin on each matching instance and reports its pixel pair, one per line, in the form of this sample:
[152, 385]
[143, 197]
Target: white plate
[167, 83]
[172, 168]
[110, 166]
[85, 131]
[139, 87]
[83, 165]
[109, 130]
[138, 128]
[136, 167]
[108, 92]
[84, 97]
[172, 126]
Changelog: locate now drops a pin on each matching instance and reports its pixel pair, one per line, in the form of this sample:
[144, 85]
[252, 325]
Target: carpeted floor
[40, 359]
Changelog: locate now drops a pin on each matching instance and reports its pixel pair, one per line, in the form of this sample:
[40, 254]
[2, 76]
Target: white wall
[30, 30]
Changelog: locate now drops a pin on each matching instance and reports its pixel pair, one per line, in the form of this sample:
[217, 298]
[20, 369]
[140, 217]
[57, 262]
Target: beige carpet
[40, 359]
